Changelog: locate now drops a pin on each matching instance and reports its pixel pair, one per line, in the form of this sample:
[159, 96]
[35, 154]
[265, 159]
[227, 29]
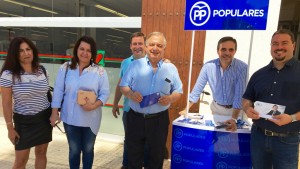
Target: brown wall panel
[163, 19]
[168, 29]
[144, 18]
[147, 17]
[167, 16]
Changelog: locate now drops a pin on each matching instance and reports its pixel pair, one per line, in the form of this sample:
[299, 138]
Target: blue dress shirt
[227, 87]
[93, 78]
[140, 77]
[124, 65]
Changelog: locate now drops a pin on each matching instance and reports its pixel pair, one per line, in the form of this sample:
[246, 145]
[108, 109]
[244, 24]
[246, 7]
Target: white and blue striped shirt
[29, 93]
[227, 86]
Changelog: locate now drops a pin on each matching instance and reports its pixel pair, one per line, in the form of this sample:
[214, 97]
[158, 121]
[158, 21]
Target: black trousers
[154, 131]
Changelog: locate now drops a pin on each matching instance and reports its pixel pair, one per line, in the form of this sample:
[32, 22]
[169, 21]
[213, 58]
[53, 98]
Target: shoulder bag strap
[44, 70]
[66, 77]
[45, 73]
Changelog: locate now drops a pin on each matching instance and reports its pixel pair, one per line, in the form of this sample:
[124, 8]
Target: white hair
[157, 34]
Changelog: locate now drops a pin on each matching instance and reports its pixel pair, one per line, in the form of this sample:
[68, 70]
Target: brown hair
[225, 39]
[91, 42]
[137, 34]
[12, 62]
[285, 31]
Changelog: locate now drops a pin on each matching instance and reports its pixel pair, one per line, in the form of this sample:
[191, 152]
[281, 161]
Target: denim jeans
[80, 139]
[269, 152]
[125, 151]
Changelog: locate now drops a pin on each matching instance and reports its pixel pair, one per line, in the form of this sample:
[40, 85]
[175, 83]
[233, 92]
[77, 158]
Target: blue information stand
[196, 145]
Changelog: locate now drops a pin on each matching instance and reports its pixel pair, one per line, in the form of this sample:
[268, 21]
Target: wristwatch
[293, 116]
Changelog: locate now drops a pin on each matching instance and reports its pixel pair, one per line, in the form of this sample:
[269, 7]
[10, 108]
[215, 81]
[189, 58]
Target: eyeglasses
[56, 125]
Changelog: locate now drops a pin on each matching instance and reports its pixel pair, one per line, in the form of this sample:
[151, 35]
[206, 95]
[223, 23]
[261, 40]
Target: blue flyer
[149, 100]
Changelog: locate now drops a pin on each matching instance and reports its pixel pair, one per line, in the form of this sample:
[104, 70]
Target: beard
[279, 56]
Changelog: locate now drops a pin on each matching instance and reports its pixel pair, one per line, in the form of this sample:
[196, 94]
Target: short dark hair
[92, 43]
[12, 62]
[225, 39]
[285, 31]
[137, 34]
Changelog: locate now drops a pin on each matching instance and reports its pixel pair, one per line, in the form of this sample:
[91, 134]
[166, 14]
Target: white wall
[260, 53]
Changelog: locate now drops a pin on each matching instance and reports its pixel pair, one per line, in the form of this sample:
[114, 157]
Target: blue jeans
[80, 139]
[273, 152]
[125, 151]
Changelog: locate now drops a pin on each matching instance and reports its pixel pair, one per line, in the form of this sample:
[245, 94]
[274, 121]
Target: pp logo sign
[199, 13]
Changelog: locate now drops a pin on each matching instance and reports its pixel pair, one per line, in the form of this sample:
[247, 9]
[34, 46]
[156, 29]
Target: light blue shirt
[227, 87]
[93, 78]
[124, 65]
[140, 77]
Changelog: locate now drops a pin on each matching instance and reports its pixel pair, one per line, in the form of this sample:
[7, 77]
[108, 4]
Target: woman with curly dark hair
[26, 108]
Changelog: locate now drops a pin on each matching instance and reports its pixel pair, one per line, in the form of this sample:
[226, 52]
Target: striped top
[227, 86]
[29, 93]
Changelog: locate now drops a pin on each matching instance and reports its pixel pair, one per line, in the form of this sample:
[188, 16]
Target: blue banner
[226, 14]
[195, 148]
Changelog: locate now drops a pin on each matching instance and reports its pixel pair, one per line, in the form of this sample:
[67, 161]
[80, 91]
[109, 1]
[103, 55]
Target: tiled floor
[108, 154]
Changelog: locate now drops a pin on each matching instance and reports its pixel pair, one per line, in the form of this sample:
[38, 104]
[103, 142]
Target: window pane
[55, 45]
[73, 8]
